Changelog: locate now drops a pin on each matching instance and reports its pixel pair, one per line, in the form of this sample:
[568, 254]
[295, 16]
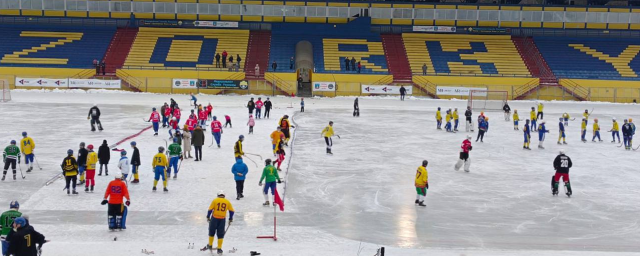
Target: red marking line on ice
[130, 137]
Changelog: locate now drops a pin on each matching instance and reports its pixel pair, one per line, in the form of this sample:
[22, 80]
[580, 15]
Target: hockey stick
[636, 148]
[35, 158]
[621, 145]
[254, 162]
[573, 119]
[212, 140]
[227, 229]
[255, 155]
[146, 120]
[20, 168]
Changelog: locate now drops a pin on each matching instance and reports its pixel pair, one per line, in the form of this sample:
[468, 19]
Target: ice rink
[355, 201]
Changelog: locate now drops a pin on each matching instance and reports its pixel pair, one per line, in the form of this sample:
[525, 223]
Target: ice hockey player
[540, 114]
[173, 126]
[6, 224]
[565, 118]
[227, 119]
[422, 183]
[586, 115]
[516, 119]
[561, 164]
[124, 165]
[301, 104]
[596, 131]
[260, 104]
[251, 106]
[11, 157]
[172, 103]
[216, 216]
[92, 160]
[70, 171]
[24, 240]
[542, 129]
[275, 139]
[104, 154]
[527, 135]
[216, 129]
[534, 125]
[356, 108]
[166, 116]
[447, 126]
[155, 119]
[135, 162]
[82, 162]
[285, 127]
[280, 153]
[94, 116]
[626, 134]
[202, 119]
[615, 131]
[481, 117]
[327, 133]
[464, 155]
[116, 191]
[507, 111]
[27, 146]
[194, 99]
[175, 155]
[269, 175]
[455, 119]
[584, 130]
[191, 123]
[251, 123]
[209, 110]
[469, 123]
[237, 148]
[438, 119]
[561, 135]
[159, 165]
[483, 126]
[177, 113]
[239, 171]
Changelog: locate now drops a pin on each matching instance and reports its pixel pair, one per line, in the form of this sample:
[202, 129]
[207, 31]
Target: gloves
[127, 203]
[279, 181]
[208, 219]
[230, 220]
[470, 148]
[260, 184]
[293, 126]
[88, 118]
[104, 202]
[181, 158]
[427, 186]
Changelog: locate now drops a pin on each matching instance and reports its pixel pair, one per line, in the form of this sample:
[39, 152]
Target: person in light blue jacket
[239, 171]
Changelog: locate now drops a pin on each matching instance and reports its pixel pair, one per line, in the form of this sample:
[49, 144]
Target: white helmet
[614, 118]
[118, 176]
[468, 137]
[562, 152]
[221, 193]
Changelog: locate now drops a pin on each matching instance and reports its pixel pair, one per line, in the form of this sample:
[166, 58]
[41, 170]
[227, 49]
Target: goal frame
[497, 99]
[5, 91]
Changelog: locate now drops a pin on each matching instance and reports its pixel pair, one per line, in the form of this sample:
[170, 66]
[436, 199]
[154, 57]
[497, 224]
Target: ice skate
[266, 203]
[86, 189]
[3, 176]
[74, 192]
[91, 188]
[165, 190]
[154, 189]
[422, 204]
[14, 177]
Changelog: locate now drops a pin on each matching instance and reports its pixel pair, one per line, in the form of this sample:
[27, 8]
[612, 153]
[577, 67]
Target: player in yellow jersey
[586, 115]
[566, 117]
[596, 130]
[422, 183]
[448, 118]
[540, 111]
[237, 148]
[327, 133]
[275, 139]
[615, 131]
[527, 135]
[27, 147]
[455, 119]
[438, 119]
[216, 216]
[584, 130]
[516, 119]
[533, 117]
[159, 165]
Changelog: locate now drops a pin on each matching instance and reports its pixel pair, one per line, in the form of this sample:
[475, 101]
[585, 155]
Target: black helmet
[425, 162]
[268, 161]
[161, 149]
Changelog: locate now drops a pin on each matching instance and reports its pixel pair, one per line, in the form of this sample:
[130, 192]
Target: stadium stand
[185, 48]
[53, 47]
[464, 54]
[599, 58]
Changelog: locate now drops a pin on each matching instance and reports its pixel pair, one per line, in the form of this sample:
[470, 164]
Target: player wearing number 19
[216, 216]
[6, 224]
[561, 164]
[422, 183]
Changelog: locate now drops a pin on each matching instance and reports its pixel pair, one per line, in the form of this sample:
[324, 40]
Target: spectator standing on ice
[267, 107]
[104, 154]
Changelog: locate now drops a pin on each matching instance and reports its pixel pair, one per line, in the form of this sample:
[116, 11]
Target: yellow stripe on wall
[573, 25]
[316, 4]
[380, 21]
[618, 10]
[554, 9]
[230, 17]
[531, 24]
[98, 14]
[574, 9]
[229, 1]
[423, 22]
[468, 7]
[251, 18]
[295, 3]
[402, 6]
[316, 19]
[487, 23]
[359, 5]
[54, 13]
[273, 3]
[165, 16]
[76, 14]
[272, 19]
[618, 26]
[37, 13]
[381, 5]
[338, 20]
[532, 8]
[208, 16]
[552, 25]
[598, 10]
[634, 26]
[425, 6]
[597, 25]
[445, 7]
[489, 7]
[467, 23]
[293, 19]
[510, 8]
[338, 4]
[445, 22]
[184, 16]
[401, 21]
[122, 15]
[143, 15]
[187, 1]
[510, 24]
[10, 12]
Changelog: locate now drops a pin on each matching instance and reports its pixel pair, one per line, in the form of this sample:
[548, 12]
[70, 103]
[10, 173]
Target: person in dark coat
[353, 64]
[346, 63]
[267, 108]
[403, 92]
[104, 155]
[291, 63]
[94, 116]
[274, 66]
[238, 59]
[197, 140]
[217, 60]
[24, 240]
[356, 108]
[135, 162]
[82, 162]
[251, 106]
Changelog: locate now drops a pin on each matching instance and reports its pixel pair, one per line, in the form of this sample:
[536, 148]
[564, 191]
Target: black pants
[198, 152]
[464, 156]
[250, 129]
[224, 64]
[540, 116]
[250, 111]
[480, 135]
[329, 141]
[266, 112]
[301, 109]
[94, 122]
[217, 63]
[71, 180]
[115, 210]
[228, 123]
[239, 187]
[106, 168]
[401, 96]
[10, 162]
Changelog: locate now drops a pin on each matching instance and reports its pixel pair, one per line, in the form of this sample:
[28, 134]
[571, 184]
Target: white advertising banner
[216, 24]
[385, 89]
[41, 82]
[437, 29]
[95, 84]
[185, 83]
[324, 86]
[458, 91]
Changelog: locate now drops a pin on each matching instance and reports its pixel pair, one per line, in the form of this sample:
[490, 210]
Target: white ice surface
[362, 196]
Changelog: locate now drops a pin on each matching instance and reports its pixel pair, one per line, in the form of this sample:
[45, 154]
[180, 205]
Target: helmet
[595, 119]
[614, 118]
[241, 137]
[70, 152]
[174, 118]
[123, 153]
[561, 152]
[468, 137]
[90, 147]
[24, 134]
[154, 109]
[220, 193]
[268, 161]
[20, 221]
[630, 120]
[215, 118]
[82, 144]
[286, 116]
[14, 205]
[586, 110]
[118, 175]
[425, 162]
[438, 108]
[532, 108]
[175, 139]
[561, 119]
[133, 143]
[160, 149]
[13, 142]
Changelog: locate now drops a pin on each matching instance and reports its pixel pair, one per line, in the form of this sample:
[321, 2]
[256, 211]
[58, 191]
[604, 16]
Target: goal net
[487, 100]
[6, 93]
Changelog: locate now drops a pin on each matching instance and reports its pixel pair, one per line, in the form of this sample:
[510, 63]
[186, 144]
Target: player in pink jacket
[209, 110]
[228, 118]
[191, 123]
[202, 117]
[251, 123]
[177, 113]
[155, 119]
[259, 105]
